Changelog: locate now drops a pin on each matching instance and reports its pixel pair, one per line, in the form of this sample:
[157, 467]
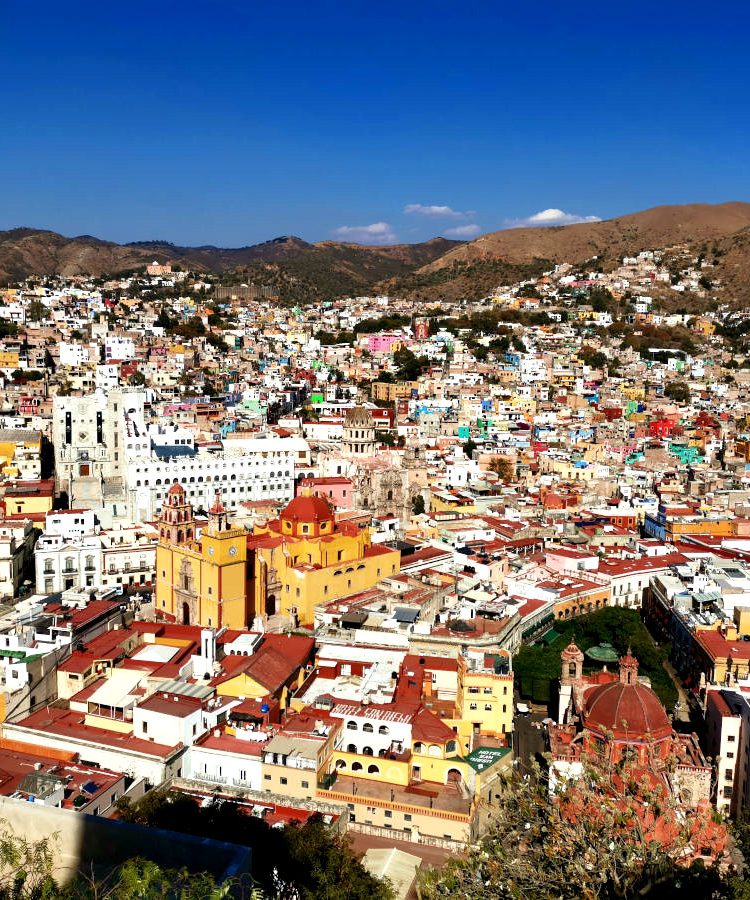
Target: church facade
[200, 581]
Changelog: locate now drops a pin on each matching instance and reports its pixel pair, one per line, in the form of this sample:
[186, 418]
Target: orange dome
[176, 488]
[307, 509]
[308, 516]
[627, 711]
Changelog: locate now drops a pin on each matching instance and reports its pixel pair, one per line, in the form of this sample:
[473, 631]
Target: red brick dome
[627, 711]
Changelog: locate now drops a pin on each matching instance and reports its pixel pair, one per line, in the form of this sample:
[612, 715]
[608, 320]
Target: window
[473, 690]
[487, 690]
[266, 777]
[352, 726]
[472, 706]
[305, 784]
[731, 738]
[407, 817]
[282, 780]
[367, 727]
[488, 707]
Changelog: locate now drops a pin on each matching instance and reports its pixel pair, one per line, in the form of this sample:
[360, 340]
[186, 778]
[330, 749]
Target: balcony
[209, 778]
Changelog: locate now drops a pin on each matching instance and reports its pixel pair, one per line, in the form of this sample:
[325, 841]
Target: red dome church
[615, 719]
[614, 724]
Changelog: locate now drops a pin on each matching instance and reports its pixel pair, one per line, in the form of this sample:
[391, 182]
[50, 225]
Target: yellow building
[305, 558]
[200, 582]
[276, 669]
[8, 359]
[484, 702]
[20, 453]
[384, 391]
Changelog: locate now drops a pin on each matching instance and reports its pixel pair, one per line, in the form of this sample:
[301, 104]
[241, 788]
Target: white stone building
[88, 435]
[253, 469]
[76, 553]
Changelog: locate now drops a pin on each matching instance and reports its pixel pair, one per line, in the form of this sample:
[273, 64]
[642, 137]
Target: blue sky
[231, 121]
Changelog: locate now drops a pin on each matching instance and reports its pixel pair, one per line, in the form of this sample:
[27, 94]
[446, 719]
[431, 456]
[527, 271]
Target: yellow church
[305, 558]
[284, 568]
[200, 582]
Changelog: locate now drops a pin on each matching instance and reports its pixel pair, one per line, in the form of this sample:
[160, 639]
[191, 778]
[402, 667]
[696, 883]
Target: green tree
[469, 447]
[502, 467]
[590, 357]
[677, 391]
[409, 367]
[310, 859]
[36, 311]
[417, 506]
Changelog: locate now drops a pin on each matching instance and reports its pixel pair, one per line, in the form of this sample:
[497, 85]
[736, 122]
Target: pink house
[383, 343]
[339, 492]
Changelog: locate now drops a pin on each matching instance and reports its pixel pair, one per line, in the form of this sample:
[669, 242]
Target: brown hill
[298, 267]
[659, 227]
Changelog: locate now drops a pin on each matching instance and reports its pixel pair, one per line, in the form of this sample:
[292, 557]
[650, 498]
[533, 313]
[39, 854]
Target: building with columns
[358, 439]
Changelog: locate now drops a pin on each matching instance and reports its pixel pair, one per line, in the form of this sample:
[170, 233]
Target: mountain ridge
[431, 270]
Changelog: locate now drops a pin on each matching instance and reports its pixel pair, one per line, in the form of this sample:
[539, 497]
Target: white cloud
[549, 217]
[377, 233]
[462, 231]
[444, 212]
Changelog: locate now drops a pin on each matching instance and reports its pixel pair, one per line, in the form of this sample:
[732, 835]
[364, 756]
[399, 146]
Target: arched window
[383, 729]
[419, 747]
[373, 770]
[367, 751]
[357, 767]
[340, 763]
[351, 748]
[368, 727]
[351, 725]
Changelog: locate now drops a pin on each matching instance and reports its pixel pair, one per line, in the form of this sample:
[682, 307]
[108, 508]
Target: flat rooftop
[445, 798]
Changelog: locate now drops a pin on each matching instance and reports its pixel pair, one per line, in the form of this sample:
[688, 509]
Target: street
[528, 740]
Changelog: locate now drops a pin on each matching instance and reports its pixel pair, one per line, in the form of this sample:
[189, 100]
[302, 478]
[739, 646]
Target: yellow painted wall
[218, 578]
[36, 503]
[309, 571]
[8, 359]
[491, 694]
[242, 686]
[117, 725]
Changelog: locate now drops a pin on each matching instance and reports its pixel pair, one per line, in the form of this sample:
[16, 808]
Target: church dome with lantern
[307, 516]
